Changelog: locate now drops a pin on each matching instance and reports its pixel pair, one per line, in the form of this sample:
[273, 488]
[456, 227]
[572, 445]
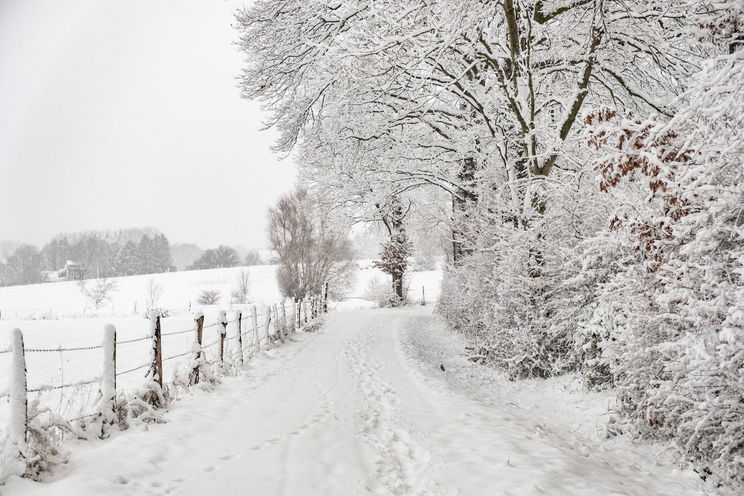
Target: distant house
[73, 271]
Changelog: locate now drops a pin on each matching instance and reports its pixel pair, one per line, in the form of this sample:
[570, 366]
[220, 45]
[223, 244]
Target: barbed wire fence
[95, 399]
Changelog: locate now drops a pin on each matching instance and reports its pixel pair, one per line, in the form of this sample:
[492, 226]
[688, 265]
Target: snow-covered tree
[128, 260]
[222, 256]
[99, 291]
[484, 101]
[162, 261]
[396, 251]
[208, 297]
[678, 332]
[153, 294]
[242, 291]
[313, 250]
[22, 267]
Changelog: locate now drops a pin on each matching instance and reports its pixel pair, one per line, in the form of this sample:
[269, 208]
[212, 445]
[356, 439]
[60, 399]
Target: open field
[56, 316]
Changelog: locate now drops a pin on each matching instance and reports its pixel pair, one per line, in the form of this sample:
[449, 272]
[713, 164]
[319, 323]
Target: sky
[126, 113]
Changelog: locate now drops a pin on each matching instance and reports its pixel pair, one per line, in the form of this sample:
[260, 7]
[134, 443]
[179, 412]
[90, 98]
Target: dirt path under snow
[361, 408]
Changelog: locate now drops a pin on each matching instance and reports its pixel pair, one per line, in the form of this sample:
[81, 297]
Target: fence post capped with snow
[156, 354]
[325, 297]
[285, 327]
[267, 322]
[106, 408]
[239, 326]
[197, 347]
[256, 338]
[223, 333]
[278, 331]
[15, 450]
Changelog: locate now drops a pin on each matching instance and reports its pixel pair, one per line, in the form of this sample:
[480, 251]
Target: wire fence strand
[134, 369]
[42, 389]
[173, 333]
[178, 356]
[60, 349]
[244, 328]
[134, 340]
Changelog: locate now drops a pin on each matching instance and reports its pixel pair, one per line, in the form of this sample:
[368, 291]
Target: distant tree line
[103, 254]
[98, 255]
[222, 256]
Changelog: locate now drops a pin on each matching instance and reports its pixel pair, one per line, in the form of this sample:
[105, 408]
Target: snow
[13, 446]
[107, 403]
[364, 407]
[180, 292]
[83, 329]
[64, 300]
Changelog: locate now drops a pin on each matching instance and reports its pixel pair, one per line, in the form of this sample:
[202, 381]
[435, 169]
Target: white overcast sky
[126, 113]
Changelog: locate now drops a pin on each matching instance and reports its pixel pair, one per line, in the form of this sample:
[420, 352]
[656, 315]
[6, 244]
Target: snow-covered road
[364, 407]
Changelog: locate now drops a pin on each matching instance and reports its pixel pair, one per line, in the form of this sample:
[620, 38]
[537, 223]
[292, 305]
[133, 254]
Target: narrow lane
[362, 407]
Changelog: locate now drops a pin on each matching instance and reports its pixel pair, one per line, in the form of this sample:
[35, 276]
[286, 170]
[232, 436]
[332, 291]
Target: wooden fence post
[267, 311]
[106, 408]
[199, 327]
[223, 334]
[304, 308]
[325, 298]
[156, 367]
[423, 296]
[278, 323]
[285, 327]
[256, 337]
[16, 448]
[298, 314]
[239, 320]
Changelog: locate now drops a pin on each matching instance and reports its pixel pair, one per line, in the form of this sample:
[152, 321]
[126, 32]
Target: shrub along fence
[29, 444]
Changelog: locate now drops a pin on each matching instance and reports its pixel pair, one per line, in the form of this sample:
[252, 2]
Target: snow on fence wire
[276, 325]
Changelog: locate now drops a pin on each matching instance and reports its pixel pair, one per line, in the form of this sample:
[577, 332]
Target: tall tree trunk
[461, 206]
[398, 285]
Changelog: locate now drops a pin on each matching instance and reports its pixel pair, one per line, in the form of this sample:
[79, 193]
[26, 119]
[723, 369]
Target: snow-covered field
[378, 402]
[57, 315]
[180, 291]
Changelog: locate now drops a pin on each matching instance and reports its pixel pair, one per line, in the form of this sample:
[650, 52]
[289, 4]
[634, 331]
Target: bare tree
[153, 294]
[242, 291]
[312, 250]
[100, 291]
[208, 297]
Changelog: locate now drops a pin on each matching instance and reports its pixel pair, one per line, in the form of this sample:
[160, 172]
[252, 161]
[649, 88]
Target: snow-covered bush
[523, 293]
[587, 271]
[208, 297]
[678, 318]
[382, 293]
[423, 262]
[45, 430]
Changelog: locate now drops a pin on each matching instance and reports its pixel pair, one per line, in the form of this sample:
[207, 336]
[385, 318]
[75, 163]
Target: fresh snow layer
[55, 315]
[364, 407]
[179, 292]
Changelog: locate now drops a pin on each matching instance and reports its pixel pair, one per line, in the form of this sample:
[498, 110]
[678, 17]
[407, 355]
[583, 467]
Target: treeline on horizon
[118, 253]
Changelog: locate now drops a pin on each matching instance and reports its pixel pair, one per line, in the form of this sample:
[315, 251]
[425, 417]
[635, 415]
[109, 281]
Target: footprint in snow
[121, 480]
